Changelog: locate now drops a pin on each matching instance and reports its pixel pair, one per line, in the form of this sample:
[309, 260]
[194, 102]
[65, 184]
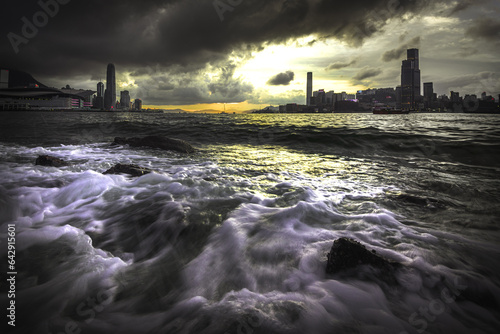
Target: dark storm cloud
[189, 32]
[339, 65]
[463, 5]
[173, 37]
[367, 73]
[485, 28]
[281, 79]
[399, 52]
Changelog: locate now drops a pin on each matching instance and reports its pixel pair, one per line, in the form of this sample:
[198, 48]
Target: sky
[248, 54]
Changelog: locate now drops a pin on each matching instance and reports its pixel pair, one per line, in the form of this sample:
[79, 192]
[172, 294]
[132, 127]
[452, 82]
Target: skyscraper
[428, 94]
[410, 80]
[309, 88]
[100, 89]
[99, 101]
[138, 104]
[4, 79]
[125, 99]
[110, 93]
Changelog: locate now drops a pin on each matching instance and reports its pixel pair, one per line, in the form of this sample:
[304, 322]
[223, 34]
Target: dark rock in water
[161, 142]
[47, 160]
[348, 253]
[128, 169]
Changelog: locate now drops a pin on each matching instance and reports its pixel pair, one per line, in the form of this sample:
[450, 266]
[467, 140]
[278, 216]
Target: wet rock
[133, 170]
[348, 253]
[160, 142]
[47, 160]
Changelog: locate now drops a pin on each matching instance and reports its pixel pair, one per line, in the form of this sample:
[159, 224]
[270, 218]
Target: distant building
[455, 97]
[20, 91]
[125, 99]
[428, 94]
[100, 90]
[138, 104]
[319, 97]
[4, 79]
[36, 98]
[339, 97]
[86, 94]
[309, 88]
[99, 99]
[330, 97]
[410, 80]
[110, 93]
[399, 98]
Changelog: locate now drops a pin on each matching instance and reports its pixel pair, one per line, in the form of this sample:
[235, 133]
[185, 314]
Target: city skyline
[173, 65]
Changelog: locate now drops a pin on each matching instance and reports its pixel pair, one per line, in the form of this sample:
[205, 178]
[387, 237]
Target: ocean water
[234, 238]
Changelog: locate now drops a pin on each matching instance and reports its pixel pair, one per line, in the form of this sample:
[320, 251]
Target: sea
[234, 238]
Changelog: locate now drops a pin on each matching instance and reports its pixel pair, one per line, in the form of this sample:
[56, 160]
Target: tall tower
[4, 79]
[410, 80]
[309, 88]
[110, 94]
[428, 93]
[99, 101]
[125, 99]
[100, 89]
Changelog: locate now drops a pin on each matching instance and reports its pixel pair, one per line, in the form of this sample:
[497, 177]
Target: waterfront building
[36, 98]
[110, 93]
[124, 99]
[455, 97]
[138, 105]
[309, 88]
[99, 100]
[410, 80]
[4, 79]
[428, 94]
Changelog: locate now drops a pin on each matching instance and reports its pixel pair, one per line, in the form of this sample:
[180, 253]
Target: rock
[47, 160]
[128, 169]
[161, 142]
[348, 253]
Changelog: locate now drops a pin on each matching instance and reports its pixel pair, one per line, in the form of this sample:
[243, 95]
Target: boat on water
[385, 110]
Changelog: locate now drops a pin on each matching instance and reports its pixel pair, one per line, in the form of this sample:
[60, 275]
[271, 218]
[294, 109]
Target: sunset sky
[200, 54]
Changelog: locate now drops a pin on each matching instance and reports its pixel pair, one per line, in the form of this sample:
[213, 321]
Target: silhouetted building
[428, 94]
[125, 99]
[37, 98]
[99, 99]
[330, 97]
[100, 90]
[319, 97]
[18, 79]
[110, 93]
[455, 97]
[138, 104]
[399, 100]
[309, 88]
[4, 79]
[410, 80]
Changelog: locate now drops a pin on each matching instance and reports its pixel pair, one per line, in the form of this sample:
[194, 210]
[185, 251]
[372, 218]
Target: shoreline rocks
[50, 161]
[160, 142]
[132, 170]
[348, 253]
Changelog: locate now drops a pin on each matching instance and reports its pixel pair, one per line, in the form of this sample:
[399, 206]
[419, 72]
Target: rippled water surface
[234, 238]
